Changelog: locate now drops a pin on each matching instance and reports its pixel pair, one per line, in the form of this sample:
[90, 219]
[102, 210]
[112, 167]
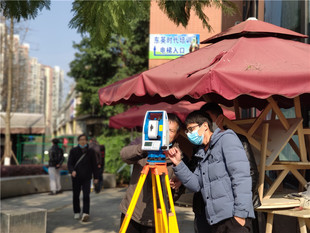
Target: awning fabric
[247, 69]
[134, 117]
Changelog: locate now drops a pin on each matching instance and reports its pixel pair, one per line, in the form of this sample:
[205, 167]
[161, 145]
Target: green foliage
[101, 19]
[179, 11]
[95, 67]
[113, 144]
[26, 9]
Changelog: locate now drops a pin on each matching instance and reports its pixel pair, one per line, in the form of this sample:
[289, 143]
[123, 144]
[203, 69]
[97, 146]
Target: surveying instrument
[155, 140]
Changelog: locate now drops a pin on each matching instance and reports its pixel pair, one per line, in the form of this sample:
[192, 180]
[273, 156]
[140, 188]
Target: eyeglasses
[192, 128]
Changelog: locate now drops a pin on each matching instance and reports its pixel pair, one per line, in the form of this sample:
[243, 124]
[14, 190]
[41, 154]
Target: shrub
[25, 170]
[113, 162]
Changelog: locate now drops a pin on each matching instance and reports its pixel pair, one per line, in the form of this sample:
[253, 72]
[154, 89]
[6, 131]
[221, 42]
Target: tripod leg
[157, 212]
[162, 204]
[134, 200]
[173, 224]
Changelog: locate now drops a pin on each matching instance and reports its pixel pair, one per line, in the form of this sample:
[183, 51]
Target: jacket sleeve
[51, 155]
[132, 154]
[70, 162]
[238, 169]
[188, 178]
[253, 167]
[94, 163]
[62, 157]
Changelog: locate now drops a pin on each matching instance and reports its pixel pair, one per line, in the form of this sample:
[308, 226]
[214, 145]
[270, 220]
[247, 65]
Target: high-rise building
[22, 70]
[53, 96]
[58, 79]
[36, 88]
[36, 82]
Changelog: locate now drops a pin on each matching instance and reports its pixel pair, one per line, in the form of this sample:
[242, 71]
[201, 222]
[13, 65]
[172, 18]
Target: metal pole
[43, 148]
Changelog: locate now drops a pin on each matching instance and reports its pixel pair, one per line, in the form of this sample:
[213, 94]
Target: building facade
[36, 88]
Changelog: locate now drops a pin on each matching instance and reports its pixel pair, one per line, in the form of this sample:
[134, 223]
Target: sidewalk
[104, 216]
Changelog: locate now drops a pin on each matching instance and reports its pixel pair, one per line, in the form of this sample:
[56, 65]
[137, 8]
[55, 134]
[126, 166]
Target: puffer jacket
[222, 176]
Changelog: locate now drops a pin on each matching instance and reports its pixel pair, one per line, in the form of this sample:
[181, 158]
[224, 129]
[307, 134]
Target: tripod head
[155, 135]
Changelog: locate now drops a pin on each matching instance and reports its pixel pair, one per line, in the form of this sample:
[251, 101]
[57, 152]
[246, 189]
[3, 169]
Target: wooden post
[263, 161]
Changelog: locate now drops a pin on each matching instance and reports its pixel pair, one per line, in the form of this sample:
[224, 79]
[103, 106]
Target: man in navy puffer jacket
[222, 175]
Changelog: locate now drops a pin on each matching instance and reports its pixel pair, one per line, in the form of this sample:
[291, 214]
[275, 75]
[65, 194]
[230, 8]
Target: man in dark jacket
[142, 220]
[82, 165]
[56, 159]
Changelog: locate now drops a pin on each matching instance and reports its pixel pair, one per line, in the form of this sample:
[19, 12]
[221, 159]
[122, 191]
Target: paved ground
[104, 209]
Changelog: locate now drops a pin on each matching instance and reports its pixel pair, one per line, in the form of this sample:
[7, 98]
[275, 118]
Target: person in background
[96, 147]
[101, 169]
[222, 175]
[82, 165]
[56, 158]
[142, 220]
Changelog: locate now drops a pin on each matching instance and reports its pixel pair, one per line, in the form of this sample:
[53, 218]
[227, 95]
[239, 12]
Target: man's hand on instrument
[175, 155]
[175, 183]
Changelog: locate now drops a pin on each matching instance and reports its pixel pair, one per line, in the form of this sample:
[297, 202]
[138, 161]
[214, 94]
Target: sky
[51, 39]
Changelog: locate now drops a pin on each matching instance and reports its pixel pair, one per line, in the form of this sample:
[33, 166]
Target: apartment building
[36, 88]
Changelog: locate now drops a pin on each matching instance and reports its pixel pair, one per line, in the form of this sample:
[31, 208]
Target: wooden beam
[259, 120]
[282, 167]
[277, 110]
[302, 144]
[231, 125]
[276, 183]
[297, 107]
[237, 109]
[269, 223]
[244, 121]
[306, 131]
[294, 147]
[262, 163]
[299, 177]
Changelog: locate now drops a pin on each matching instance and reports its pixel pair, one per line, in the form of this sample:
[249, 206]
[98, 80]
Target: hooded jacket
[222, 176]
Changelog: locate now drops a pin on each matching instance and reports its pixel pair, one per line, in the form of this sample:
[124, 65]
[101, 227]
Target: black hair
[199, 117]
[175, 118]
[82, 135]
[102, 148]
[55, 141]
[212, 107]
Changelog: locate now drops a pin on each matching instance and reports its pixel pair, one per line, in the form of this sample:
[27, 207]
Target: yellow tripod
[163, 223]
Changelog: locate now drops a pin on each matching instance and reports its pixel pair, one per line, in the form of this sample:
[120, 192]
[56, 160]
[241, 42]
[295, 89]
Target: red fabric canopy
[134, 117]
[249, 69]
[253, 27]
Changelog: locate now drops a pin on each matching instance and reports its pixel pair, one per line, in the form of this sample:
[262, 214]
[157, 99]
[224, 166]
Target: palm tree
[101, 18]
[16, 10]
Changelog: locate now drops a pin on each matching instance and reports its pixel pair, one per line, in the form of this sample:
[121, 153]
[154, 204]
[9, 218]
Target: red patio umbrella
[254, 28]
[134, 117]
[247, 68]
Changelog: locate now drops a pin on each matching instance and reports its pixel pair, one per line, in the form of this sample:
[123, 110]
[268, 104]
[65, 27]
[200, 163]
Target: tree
[94, 67]
[16, 10]
[102, 18]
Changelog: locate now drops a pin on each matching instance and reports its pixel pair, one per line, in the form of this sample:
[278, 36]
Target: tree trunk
[8, 146]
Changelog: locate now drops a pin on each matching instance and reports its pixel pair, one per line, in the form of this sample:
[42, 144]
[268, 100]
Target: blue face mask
[194, 137]
[82, 146]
